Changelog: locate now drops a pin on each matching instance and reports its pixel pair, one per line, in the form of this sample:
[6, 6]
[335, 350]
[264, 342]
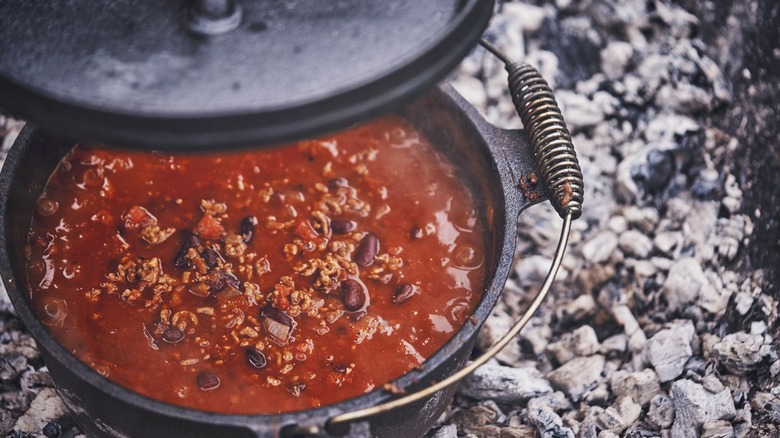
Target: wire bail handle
[562, 180]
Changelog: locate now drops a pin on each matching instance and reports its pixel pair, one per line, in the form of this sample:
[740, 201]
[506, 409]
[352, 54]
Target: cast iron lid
[205, 74]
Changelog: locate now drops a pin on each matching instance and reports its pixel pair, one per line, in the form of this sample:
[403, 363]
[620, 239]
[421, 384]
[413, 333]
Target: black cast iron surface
[491, 161]
[133, 73]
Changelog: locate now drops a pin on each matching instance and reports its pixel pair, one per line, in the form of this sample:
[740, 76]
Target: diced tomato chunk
[138, 217]
[304, 229]
[209, 228]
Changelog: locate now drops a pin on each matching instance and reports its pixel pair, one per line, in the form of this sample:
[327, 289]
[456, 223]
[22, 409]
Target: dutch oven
[507, 171]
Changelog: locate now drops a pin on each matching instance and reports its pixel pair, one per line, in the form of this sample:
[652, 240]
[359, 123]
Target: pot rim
[503, 247]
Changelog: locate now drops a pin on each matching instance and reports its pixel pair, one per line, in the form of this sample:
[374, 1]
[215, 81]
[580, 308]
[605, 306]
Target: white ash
[621, 416]
[741, 352]
[653, 327]
[660, 414]
[46, 407]
[694, 406]
[505, 384]
[669, 350]
[717, 429]
[578, 376]
[542, 414]
[640, 386]
[653, 268]
[580, 342]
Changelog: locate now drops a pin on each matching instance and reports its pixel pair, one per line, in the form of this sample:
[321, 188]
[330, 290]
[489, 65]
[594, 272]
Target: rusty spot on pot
[529, 185]
[568, 192]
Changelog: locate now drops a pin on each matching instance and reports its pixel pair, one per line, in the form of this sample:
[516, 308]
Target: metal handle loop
[339, 424]
[562, 178]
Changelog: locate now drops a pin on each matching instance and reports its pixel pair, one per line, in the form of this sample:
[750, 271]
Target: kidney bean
[207, 380]
[172, 335]
[367, 250]
[403, 293]
[342, 226]
[218, 280]
[277, 315]
[256, 358]
[247, 228]
[354, 295]
[277, 324]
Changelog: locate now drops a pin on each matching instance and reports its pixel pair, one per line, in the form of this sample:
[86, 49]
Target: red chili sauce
[261, 281]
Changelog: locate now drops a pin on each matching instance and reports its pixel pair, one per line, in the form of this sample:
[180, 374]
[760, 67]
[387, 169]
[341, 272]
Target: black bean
[210, 256]
[181, 261]
[366, 250]
[354, 295]
[52, 429]
[256, 358]
[207, 380]
[416, 233]
[172, 335]
[229, 293]
[403, 293]
[247, 228]
[190, 241]
[342, 226]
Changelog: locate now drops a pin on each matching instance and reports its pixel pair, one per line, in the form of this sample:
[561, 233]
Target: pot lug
[523, 186]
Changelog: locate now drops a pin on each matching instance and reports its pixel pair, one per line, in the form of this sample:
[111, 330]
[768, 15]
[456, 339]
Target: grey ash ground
[663, 321]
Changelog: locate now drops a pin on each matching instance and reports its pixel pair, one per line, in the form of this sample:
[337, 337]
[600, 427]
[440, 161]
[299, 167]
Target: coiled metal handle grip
[550, 139]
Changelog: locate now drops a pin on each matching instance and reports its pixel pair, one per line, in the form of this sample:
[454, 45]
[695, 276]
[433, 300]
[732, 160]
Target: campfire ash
[663, 319]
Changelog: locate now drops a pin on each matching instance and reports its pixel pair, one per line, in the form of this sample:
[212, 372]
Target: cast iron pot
[499, 166]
